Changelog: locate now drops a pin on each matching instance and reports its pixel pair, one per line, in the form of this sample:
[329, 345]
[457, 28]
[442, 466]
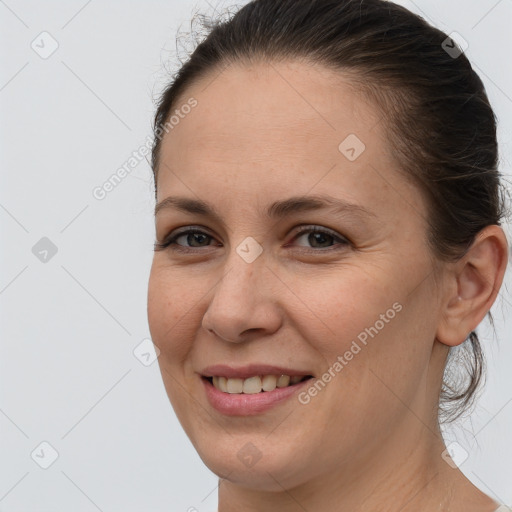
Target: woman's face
[343, 293]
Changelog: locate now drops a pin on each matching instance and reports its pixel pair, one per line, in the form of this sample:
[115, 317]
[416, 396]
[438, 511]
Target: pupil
[190, 238]
[318, 237]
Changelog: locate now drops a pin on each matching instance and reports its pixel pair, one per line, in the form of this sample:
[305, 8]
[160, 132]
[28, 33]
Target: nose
[244, 303]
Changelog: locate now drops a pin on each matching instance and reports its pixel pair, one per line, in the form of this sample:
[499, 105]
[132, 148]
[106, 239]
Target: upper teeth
[254, 384]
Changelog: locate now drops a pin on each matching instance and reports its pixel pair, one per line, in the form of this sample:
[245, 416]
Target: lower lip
[242, 404]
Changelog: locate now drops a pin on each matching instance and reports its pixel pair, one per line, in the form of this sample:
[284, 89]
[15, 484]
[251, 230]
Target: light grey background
[70, 325]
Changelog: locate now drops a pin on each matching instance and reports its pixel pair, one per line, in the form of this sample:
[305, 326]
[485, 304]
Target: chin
[267, 468]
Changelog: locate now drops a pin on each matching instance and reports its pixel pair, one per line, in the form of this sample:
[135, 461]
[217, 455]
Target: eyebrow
[276, 210]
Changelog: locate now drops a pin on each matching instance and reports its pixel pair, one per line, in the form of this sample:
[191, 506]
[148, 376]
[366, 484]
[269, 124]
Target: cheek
[343, 303]
[368, 318]
[173, 310]
[173, 318]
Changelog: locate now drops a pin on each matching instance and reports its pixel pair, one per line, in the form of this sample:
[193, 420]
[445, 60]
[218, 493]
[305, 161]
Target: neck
[406, 474]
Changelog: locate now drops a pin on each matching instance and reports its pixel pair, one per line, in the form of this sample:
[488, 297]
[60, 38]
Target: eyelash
[170, 242]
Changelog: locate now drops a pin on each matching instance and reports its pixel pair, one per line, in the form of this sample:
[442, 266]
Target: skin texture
[264, 132]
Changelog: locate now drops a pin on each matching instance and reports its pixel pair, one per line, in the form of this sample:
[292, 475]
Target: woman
[328, 231]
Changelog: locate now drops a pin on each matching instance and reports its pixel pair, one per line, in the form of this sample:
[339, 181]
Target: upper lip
[250, 370]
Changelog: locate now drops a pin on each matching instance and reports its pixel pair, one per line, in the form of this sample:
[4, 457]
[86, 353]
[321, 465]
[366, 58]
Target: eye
[192, 236]
[320, 238]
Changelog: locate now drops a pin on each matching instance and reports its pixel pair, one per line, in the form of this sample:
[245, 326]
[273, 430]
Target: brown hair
[440, 123]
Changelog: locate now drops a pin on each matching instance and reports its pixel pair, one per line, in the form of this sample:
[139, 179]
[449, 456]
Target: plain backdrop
[77, 84]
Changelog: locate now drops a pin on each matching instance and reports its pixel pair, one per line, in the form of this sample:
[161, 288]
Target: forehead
[267, 128]
[303, 101]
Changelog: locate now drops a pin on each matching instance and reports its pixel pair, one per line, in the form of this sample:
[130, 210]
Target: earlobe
[473, 285]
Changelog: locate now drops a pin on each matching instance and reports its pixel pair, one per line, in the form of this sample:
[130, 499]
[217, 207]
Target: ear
[472, 285]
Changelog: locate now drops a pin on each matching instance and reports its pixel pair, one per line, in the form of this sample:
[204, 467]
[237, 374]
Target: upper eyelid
[185, 230]
[316, 228]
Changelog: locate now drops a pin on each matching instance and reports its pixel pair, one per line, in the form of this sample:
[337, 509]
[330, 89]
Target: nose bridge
[237, 275]
[240, 301]
[243, 273]
[244, 268]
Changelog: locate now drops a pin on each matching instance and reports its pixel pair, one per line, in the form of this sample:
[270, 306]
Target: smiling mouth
[255, 384]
